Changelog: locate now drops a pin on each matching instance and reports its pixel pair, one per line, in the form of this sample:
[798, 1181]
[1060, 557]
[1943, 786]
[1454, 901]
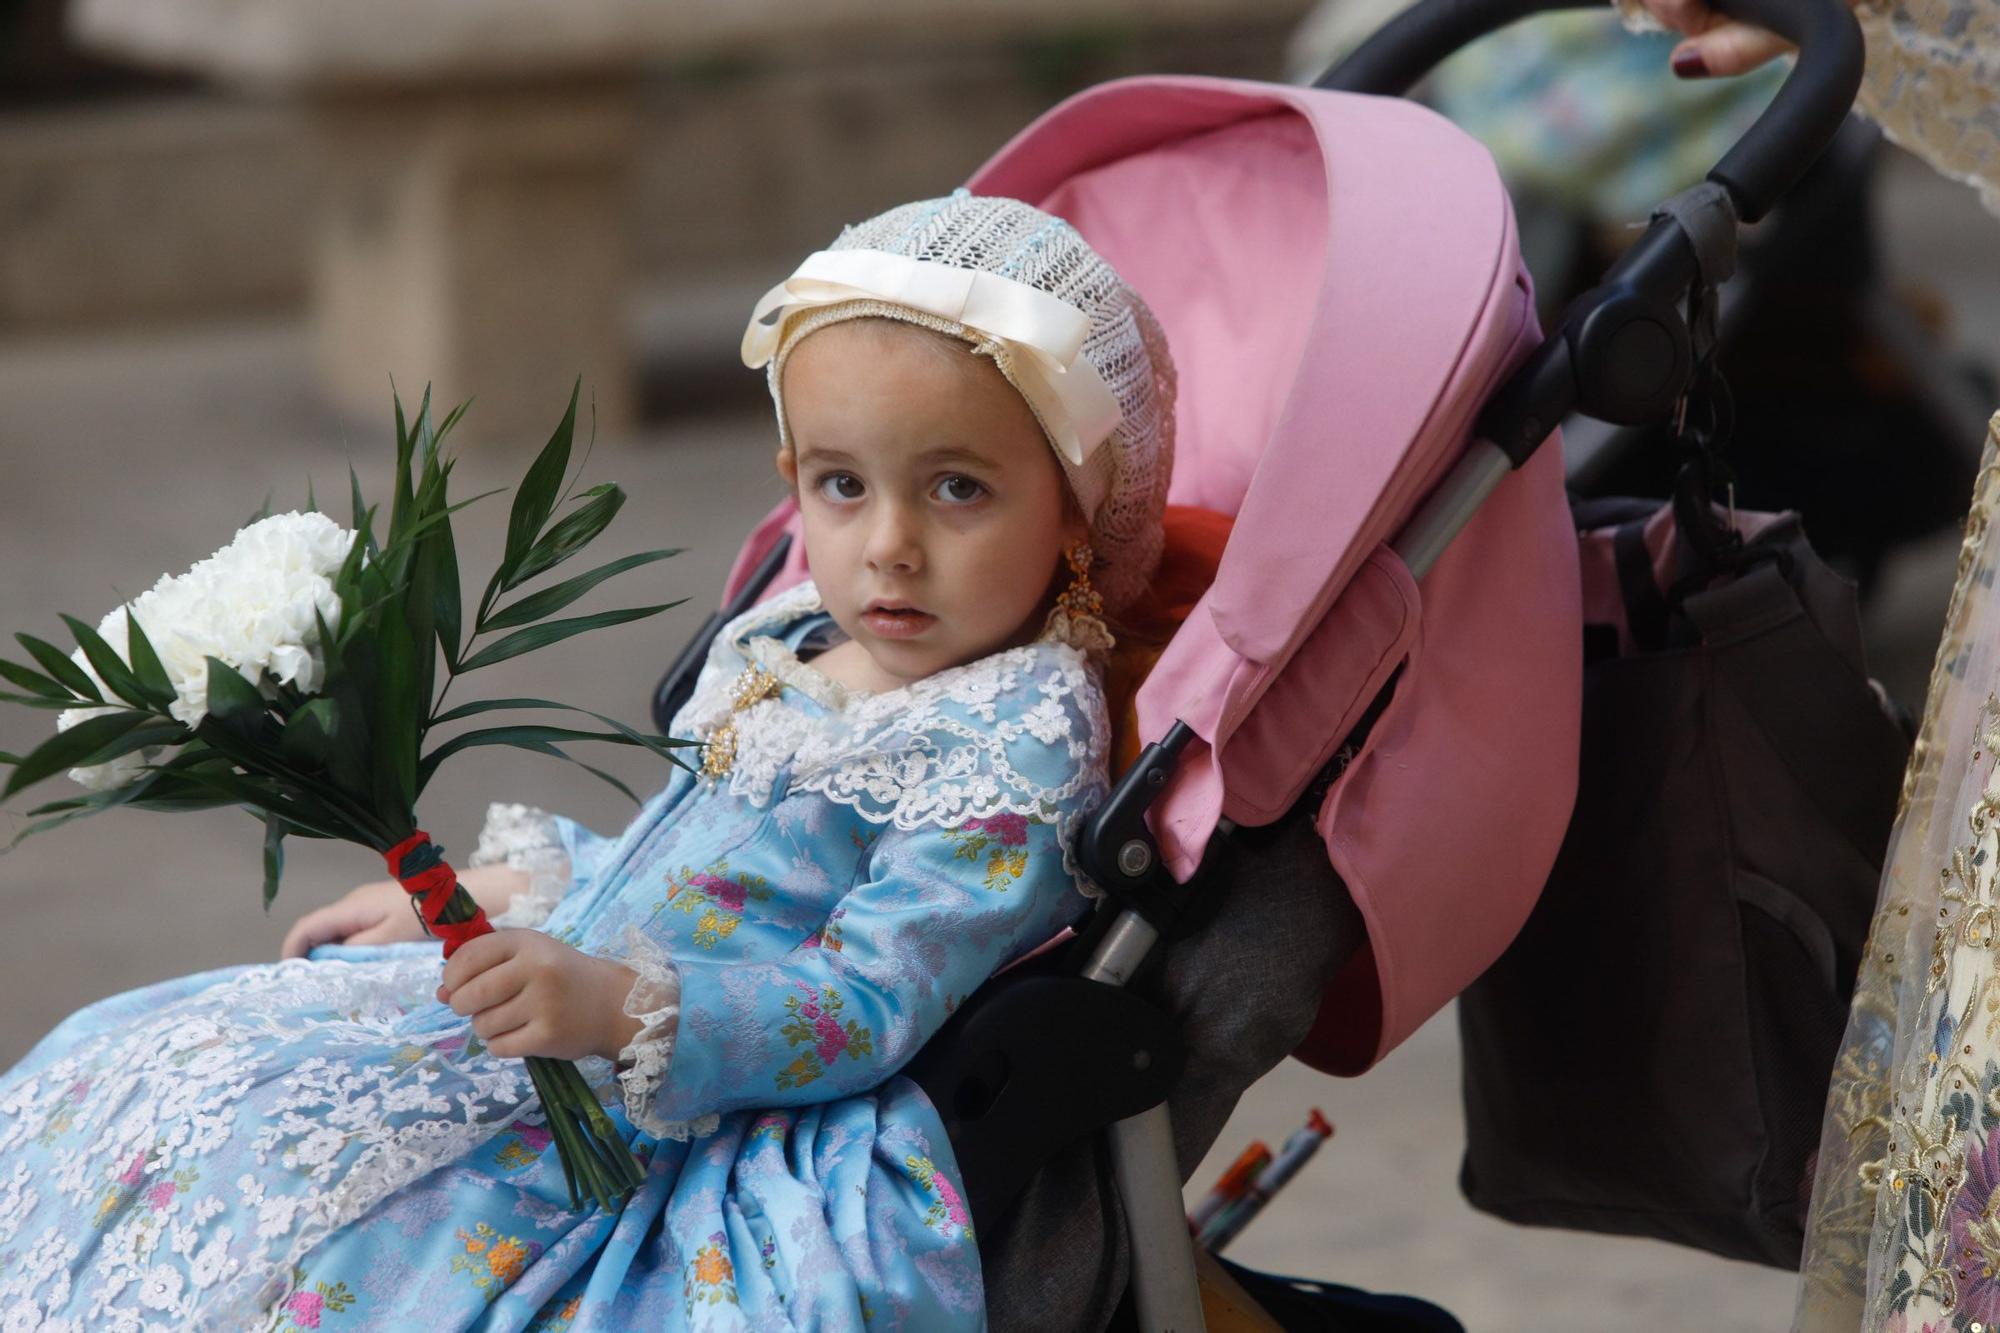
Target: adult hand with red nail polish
[1715, 45]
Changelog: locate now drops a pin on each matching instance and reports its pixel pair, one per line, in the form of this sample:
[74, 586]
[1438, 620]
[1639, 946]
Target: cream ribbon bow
[1042, 334]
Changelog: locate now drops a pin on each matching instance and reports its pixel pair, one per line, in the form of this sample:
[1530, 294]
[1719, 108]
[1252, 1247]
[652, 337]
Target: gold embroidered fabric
[1904, 1229]
[1932, 81]
[718, 753]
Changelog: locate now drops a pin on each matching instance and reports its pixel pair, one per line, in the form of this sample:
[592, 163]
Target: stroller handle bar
[1798, 124]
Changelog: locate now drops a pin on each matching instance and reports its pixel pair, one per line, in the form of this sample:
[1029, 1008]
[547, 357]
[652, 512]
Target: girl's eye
[840, 486]
[959, 490]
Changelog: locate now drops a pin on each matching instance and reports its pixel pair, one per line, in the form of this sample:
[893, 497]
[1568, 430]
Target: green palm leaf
[34, 682]
[551, 600]
[74, 748]
[555, 631]
[111, 668]
[58, 665]
[663, 746]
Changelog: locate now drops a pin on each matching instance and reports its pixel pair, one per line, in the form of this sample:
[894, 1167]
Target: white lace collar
[750, 635]
[1021, 731]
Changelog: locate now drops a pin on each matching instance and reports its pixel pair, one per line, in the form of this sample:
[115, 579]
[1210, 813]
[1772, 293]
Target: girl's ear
[788, 467]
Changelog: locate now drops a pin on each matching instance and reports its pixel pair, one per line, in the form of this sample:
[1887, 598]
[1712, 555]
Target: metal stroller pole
[1165, 1290]
[1164, 1287]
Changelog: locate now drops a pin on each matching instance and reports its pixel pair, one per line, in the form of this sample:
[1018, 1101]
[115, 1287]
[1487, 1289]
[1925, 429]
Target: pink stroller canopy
[1339, 280]
[1340, 285]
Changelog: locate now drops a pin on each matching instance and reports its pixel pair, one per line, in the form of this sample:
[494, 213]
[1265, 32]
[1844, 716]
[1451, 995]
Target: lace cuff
[526, 839]
[655, 1000]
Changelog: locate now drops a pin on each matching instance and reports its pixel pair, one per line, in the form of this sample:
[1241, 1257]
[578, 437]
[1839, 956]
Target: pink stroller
[1366, 734]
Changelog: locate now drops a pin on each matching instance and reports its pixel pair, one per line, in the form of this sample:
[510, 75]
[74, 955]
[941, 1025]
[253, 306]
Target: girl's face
[935, 512]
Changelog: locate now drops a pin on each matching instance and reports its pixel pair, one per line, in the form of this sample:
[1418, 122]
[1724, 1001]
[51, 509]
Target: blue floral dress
[319, 1144]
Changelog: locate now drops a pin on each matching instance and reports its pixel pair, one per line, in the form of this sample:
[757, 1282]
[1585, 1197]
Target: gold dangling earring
[1077, 618]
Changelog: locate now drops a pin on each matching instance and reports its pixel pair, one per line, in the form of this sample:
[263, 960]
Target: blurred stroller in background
[1352, 764]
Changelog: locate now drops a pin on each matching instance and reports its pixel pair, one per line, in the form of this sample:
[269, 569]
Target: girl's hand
[1716, 45]
[380, 912]
[530, 994]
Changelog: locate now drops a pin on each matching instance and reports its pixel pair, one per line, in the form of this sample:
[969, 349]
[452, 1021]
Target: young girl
[975, 414]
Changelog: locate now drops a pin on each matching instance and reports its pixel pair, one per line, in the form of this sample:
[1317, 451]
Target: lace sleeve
[655, 1000]
[529, 840]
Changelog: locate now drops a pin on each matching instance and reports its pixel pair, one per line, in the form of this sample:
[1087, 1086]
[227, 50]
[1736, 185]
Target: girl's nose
[894, 541]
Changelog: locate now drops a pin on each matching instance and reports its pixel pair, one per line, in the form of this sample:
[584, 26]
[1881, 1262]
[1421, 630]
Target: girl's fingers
[1727, 48]
[325, 925]
[298, 940]
[522, 1042]
[501, 1019]
[476, 955]
[495, 986]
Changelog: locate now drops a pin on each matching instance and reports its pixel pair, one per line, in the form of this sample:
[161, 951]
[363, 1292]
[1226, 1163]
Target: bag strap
[1646, 609]
[1804, 694]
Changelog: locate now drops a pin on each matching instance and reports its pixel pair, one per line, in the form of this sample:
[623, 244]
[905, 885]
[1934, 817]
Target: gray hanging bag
[1651, 1055]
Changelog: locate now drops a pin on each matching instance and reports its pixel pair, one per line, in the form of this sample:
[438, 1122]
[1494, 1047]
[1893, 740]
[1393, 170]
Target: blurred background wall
[497, 206]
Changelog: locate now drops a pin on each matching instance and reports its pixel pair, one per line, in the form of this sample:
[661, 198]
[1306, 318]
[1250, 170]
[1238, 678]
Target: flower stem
[595, 1161]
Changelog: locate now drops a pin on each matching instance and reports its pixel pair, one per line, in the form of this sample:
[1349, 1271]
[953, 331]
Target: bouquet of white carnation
[256, 605]
[294, 673]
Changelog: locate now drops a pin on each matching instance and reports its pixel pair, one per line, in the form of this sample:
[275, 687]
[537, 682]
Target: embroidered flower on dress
[717, 897]
[815, 1022]
[493, 1260]
[949, 1213]
[307, 1307]
[556, 1318]
[711, 1277]
[524, 1145]
[1002, 839]
[1974, 1254]
[830, 936]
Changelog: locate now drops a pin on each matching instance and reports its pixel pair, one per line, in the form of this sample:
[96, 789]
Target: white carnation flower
[251, 604]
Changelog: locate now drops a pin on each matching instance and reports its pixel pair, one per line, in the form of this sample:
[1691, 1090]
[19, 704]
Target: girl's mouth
[896, 622]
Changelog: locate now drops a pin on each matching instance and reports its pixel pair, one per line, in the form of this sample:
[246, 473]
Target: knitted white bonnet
[1120, 478]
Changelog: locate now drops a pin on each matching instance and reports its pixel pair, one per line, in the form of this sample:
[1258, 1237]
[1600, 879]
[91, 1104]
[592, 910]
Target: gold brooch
[718, 754]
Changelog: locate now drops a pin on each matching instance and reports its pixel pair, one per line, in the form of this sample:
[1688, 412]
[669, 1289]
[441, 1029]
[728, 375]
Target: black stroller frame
[1623, 353]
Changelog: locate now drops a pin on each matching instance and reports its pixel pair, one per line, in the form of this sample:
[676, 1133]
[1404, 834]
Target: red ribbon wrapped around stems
[419, 866]
[594, 1160]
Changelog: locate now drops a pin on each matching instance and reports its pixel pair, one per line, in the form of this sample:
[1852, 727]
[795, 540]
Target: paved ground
[124, 456]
